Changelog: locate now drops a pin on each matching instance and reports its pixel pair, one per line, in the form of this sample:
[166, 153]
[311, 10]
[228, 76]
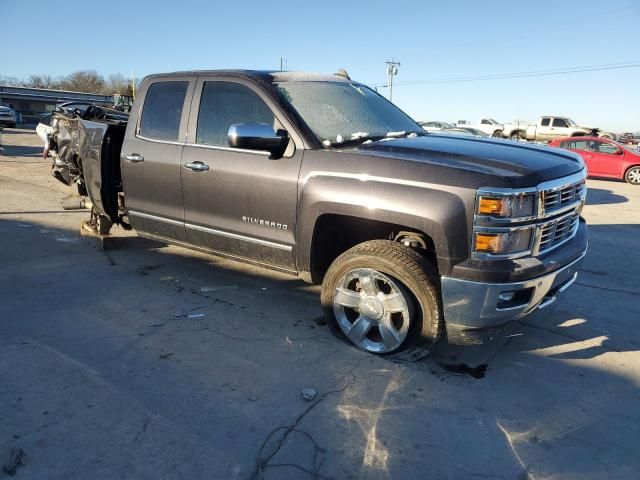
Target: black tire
[517, 135]
[103, 225]
[417, 279]
[497, 134]
[632, 175]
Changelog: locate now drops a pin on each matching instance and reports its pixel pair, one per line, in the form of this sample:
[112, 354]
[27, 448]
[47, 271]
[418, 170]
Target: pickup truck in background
[549, 128]
[486, 125]
[415, 237]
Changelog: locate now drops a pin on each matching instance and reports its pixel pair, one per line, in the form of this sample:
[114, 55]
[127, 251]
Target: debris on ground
[17, 459]
[320, 320]
[195, 315]
[146, 270]
[309, 394]
[164, 356]
[216, 289]
[464, 369]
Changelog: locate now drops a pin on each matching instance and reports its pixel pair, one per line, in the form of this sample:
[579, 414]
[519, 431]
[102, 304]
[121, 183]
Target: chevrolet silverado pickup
[415, 237]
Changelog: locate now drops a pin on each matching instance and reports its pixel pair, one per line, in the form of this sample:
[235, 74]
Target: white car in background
[8, 116]
[487, 125]
[434, 126]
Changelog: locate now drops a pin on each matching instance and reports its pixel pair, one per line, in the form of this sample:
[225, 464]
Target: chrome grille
[556, 232]
[555, 198]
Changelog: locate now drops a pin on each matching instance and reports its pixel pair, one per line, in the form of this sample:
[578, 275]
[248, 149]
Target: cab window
[545, 122]
[162, 110]
[223, 104]
[559, 122]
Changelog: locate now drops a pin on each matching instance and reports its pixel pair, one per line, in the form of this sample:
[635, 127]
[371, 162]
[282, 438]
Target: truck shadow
[600, 196]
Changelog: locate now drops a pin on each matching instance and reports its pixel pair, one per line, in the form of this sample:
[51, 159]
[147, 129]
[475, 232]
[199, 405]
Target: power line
[535, 73]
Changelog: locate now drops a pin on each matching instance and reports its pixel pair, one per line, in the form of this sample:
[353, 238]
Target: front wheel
[383, 297]
[632, 175]
[497, 134]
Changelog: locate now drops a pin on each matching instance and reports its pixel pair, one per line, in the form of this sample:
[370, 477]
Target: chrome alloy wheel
[633, 176]
[372, 310]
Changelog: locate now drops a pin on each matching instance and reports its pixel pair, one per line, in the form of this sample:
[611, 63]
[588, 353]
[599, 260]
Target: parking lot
[152, 361]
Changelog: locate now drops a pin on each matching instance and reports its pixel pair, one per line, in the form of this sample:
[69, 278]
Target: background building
[30, 103]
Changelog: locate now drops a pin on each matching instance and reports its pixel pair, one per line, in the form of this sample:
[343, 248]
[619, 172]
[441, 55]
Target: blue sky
[432, 40]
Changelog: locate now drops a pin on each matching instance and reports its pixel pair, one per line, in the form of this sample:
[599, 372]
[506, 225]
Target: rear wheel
[382, 297]
[632, 175]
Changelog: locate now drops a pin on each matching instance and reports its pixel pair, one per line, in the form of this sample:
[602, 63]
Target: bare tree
[88, 81]
[117, 83]
[10, 81]
[42, 81]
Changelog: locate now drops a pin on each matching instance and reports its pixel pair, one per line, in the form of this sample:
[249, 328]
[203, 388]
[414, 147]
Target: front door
[150, 158]
[603, 158]
[238, 202]
[559, 128]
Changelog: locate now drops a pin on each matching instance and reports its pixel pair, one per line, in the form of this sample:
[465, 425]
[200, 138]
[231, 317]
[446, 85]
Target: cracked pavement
[194, 368]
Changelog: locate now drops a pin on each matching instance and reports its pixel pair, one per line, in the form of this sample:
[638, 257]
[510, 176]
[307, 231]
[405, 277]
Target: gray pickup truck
[415, 237]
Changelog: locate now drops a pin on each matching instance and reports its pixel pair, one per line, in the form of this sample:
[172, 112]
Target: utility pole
[392, 71]
[283, 63]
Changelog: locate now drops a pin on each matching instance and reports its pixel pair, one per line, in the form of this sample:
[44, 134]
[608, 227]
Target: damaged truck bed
[85, 150]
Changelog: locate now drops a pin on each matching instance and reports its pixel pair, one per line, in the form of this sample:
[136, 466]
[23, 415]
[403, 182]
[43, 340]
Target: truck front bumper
[473, 310]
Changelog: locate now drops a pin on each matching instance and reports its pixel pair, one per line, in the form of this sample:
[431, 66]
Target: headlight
[507, 206]
[503, 243]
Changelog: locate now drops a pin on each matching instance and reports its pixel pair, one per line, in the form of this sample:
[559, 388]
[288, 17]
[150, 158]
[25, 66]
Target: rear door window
[162, 110]
[223, 104]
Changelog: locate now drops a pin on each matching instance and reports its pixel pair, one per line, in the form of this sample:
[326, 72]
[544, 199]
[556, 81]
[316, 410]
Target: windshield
[626, 147]
[570, 122]
[339, 112]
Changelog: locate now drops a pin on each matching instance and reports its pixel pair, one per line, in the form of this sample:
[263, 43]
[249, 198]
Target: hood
[515, 163]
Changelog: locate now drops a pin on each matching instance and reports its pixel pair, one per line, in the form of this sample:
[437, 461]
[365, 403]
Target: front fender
[440, 212]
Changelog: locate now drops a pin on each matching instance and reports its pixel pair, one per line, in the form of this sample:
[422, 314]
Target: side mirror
[258, 136]
[619, 152]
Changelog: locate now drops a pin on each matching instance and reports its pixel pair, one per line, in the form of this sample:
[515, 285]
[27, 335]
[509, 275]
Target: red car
[604, 157]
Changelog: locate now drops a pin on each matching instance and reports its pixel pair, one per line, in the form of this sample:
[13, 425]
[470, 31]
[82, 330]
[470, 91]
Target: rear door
[239, 202]
[151, 154]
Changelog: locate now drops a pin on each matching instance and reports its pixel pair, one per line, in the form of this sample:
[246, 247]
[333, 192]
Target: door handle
[134, 158]
[197, 166]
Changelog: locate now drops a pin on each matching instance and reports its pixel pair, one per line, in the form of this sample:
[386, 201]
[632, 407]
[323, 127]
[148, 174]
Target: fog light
[506, 296]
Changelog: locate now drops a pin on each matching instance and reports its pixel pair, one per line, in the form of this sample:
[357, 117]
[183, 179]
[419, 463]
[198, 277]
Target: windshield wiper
[404, 134]
[356, 139]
